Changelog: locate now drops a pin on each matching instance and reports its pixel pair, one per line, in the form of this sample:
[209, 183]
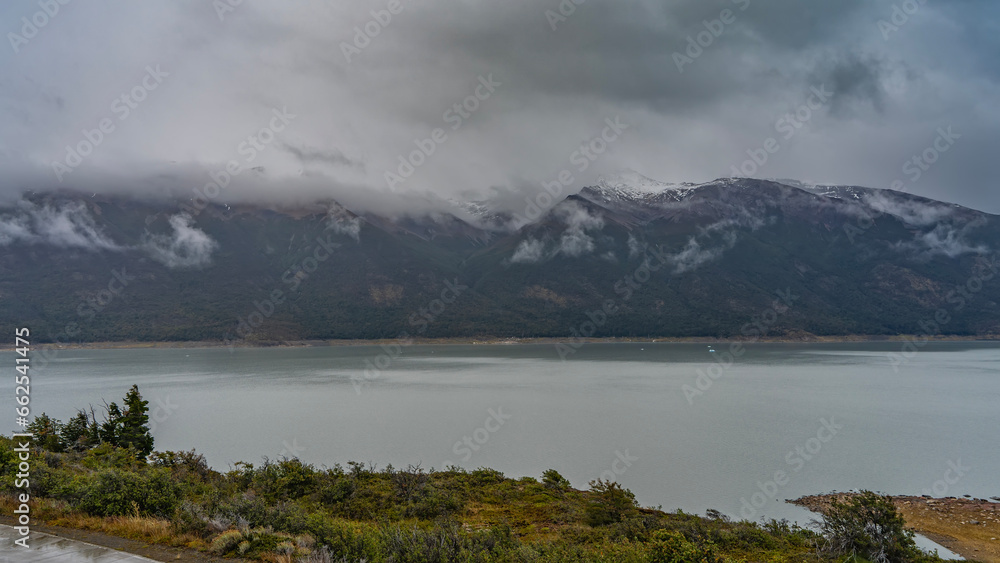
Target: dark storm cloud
[854, 80]
[309, 155]
[364, 101]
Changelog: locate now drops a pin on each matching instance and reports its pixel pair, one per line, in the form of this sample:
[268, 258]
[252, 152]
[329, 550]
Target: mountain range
[628, 257]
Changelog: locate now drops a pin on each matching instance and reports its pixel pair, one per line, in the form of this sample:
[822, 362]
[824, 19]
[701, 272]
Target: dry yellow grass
[134, 527]
[950, 523]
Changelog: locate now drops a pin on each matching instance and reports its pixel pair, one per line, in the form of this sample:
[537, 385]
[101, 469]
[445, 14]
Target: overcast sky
[352, 105]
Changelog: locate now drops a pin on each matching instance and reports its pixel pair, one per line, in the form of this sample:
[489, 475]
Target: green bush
[227, 541]
[484, 477]
[8, 460]
[673, 547]
[609, 502]
[336, 490]
[867, 525]
[283, 480]
[107, 456]
[249, 543]
[46, 431]
[113, 492]
[553, 480]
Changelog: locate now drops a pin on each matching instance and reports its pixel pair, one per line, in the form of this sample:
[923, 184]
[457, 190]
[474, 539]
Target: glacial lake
[779, 422]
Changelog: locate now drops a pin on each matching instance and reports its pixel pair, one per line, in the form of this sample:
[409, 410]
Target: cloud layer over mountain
[295, 102]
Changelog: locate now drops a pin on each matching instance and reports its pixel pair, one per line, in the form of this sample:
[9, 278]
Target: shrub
[285, 548]
[673, 547]
[434, 503]
[867, 525]
[336, 491]
[117, 493]
[409, 483]
[107, 456]
[485, 476]
[249, 543]
[609, 502]
[46, 431]
[183, 464]
[284, 480]
[190, 518]
[553, 480]
[8, 459]
[227, 541]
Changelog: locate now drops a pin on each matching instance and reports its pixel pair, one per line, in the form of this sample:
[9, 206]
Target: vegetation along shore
[100, 473]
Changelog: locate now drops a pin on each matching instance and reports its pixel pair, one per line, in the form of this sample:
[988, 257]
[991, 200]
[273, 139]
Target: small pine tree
[46, 432]
[134, 429]
[109, 430]
[80, 433]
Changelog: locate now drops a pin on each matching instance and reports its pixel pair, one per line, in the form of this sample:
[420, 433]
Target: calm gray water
[898, 432]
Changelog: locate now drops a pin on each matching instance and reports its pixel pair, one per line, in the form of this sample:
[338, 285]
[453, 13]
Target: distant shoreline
[470, 341]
